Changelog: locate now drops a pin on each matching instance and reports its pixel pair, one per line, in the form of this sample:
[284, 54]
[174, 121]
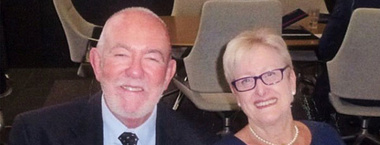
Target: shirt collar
[113, 128]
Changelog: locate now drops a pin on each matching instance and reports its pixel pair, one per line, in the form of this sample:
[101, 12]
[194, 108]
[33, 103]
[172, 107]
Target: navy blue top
[322, 134]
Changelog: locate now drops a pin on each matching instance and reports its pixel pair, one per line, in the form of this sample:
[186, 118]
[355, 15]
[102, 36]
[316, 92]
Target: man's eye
[153, 59]
[121, 54]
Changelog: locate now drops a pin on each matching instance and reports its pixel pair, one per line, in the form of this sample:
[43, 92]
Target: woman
[259, 68]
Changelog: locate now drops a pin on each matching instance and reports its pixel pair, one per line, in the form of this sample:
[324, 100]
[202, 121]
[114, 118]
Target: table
[183, 31]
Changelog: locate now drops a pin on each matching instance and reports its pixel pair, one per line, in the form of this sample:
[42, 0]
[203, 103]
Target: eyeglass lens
[268, 78]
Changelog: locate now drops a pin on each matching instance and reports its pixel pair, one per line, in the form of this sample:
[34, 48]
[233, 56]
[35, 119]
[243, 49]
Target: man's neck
[135, 122]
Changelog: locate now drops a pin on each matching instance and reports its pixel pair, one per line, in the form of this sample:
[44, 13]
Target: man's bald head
[136, 18]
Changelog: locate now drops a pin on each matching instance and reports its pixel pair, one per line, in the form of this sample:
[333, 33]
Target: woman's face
[265, 104]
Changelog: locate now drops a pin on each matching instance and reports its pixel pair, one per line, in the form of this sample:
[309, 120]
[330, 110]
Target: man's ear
[95, 60]
[170, 72]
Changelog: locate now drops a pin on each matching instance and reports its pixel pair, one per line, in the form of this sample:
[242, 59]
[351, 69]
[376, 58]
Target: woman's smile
[265, 103]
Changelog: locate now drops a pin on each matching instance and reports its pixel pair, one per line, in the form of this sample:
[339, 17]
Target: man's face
[134, 66]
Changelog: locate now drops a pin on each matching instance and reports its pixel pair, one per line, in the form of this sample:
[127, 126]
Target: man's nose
[135, 70]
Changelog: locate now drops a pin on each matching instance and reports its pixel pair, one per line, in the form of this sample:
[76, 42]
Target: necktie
[128, 138]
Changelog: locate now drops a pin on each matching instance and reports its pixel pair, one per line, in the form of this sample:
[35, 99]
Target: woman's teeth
[266, 103]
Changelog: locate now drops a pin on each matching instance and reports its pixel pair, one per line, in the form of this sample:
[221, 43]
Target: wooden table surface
[183, 31]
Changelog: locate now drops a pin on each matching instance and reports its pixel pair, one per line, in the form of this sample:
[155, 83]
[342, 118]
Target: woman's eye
[246, 81]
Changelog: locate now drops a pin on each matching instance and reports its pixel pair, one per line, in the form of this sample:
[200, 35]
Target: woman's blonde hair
[248, 40]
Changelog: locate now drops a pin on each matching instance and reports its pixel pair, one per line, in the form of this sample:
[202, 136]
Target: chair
[221, 20]
[78, 33]
[187, 7]
[354, 71]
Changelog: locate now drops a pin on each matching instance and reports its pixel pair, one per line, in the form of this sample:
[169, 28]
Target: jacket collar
[89, 128]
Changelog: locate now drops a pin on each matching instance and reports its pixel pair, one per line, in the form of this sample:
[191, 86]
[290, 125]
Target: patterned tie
[128, 138]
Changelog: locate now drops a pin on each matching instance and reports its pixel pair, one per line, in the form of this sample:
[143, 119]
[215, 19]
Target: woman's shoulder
[323, 133]
[230, 140]
[314, 125]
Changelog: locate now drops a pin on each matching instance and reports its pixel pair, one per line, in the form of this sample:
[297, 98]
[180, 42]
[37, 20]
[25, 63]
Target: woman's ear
[293, 81]
[233, 90]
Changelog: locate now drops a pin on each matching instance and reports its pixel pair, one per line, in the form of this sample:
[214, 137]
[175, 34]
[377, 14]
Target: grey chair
[187, 7]
[184, 8]
[221, 20]
[354, 71]
[78, 33]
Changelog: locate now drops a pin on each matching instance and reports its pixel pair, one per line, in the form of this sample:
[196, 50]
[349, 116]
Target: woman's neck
[281, 132]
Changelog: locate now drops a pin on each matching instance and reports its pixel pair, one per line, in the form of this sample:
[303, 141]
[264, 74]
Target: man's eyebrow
[150, 50]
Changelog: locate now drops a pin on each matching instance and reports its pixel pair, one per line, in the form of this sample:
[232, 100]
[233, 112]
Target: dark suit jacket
[80, 123]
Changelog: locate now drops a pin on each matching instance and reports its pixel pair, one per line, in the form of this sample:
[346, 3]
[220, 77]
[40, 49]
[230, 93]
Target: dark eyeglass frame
[260, 77]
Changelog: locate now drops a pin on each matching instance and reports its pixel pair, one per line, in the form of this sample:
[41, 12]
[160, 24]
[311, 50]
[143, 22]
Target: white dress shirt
[113, 128]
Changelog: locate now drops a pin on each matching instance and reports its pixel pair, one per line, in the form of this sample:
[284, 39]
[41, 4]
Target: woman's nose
[260, 88]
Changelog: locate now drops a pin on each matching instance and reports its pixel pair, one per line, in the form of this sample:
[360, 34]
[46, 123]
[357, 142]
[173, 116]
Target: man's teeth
[265, 103]
[133, 89]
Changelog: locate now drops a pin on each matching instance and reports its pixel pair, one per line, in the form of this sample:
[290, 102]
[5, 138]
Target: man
[133, 64]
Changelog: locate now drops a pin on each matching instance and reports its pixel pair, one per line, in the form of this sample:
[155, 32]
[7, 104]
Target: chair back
[187, 7]
[354, 71]
[222, 20]
[77, 30]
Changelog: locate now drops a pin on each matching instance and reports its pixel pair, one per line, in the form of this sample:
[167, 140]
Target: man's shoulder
[64, 111]
[61, 123]
[177, 128]
[167, 116]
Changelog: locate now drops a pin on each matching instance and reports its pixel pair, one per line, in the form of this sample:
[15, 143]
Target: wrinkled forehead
[136, 28]
[140, 20]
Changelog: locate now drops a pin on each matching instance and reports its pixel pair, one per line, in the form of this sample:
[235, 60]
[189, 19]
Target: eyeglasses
[268, 78]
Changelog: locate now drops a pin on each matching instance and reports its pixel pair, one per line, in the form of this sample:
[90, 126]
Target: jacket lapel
[165, 127]
[89, 129]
